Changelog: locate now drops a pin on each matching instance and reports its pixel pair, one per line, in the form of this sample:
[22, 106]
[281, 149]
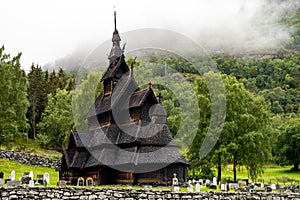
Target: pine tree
[37, 97]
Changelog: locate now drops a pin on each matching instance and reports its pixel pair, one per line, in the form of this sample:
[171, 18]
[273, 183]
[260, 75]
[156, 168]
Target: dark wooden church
[137, 147]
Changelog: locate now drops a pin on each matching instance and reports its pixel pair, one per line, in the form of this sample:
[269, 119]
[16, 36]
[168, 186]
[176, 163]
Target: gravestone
[47, 178]
[1, 182]
[175, 183]
[25, 179]
[273, 187]
[31, 175]
[198, 187]
[223, 187]
[39, 179]
[31, 183]
[234, 186]
[13, 183]
[215, 181]
[89, 182]
[207, 183]
[148, 187]
[62, 184]
[26, 174]
[80, 181]
[190, 187]
[201, 181]
[1, 175]
[13, 175]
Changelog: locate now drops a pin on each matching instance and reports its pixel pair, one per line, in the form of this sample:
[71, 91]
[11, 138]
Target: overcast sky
[44, 30]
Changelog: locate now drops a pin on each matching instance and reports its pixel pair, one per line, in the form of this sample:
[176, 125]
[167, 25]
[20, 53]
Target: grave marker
[80, 181]
[31, 183]
[47, 178]
[13, 183]
[190, 187]
[175, 183]
[215, 181]
[13, 175]
[89, 182]
[31, 175]
[62, 184]
[1, 182]
[198, 187]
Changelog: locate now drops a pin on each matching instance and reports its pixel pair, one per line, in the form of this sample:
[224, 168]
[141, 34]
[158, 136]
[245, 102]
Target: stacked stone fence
[29, 159]
[128, 194]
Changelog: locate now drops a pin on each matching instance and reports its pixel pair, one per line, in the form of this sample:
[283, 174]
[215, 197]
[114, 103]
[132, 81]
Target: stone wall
[28, 159]
[127, 194]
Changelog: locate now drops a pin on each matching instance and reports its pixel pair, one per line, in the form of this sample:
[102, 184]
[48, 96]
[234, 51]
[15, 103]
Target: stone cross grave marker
[47, 178]
[13, 175]
[175, 183]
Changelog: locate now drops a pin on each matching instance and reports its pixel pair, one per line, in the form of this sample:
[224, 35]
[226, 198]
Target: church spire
[115, 51]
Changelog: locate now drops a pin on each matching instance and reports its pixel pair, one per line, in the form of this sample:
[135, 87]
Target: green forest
[262, 123]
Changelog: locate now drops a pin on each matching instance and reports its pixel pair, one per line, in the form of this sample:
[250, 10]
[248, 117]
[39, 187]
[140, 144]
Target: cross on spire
[116, 50]
[115, 17]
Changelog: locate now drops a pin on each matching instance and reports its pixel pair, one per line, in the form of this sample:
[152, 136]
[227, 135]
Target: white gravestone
[190, 187]
[13, 175]
[175, 183]
[215, 181]
[31, 183]
[198, 187]
[273, 187]
[207, 182]
[31, 175]
[223, 187]
[1, 182]
[47, 178]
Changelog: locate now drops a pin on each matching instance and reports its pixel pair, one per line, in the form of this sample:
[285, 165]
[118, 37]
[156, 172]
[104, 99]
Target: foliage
[288, 144]
[84, 96]
[13, 100]
[57, 120]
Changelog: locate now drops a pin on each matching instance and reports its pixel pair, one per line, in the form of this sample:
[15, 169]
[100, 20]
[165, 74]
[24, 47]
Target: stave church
[128, 140]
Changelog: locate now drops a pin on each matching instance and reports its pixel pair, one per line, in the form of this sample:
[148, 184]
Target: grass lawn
[7, 166]
[271, 173]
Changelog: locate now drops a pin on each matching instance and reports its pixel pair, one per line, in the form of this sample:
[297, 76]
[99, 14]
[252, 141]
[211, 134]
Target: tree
[13, 100]
[84, 96]
[37, 97]
[246, 128]
[57, 121]
[288, 144]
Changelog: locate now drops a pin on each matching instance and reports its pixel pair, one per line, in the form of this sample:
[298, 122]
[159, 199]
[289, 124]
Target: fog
[45, 31]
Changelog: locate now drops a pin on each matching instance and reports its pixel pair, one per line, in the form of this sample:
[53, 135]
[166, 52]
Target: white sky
[44, 30]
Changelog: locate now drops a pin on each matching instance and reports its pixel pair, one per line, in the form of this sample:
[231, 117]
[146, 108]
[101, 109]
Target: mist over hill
[255, 29]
